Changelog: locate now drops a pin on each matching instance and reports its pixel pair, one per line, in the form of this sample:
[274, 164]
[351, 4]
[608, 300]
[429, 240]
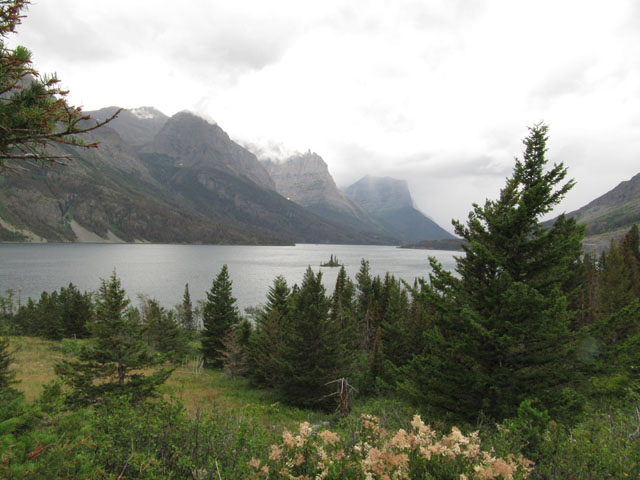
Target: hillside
[611, 215]
[104, 194]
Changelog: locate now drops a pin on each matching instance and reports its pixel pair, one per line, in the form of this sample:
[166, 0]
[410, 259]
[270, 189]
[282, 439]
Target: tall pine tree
[266, 340]
[500, 331]
[219, 314]
[312, 352]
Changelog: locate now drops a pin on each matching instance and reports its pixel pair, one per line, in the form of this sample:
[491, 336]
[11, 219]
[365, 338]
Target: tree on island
[116, 357]
[500, 330]
[34, 112]
[219, 314]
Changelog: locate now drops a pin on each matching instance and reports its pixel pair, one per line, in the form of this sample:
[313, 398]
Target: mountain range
[182, 179]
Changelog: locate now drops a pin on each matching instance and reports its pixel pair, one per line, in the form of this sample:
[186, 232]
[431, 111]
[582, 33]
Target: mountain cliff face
[379, 194]
[195, 143]
[389, 201]
[305, 180]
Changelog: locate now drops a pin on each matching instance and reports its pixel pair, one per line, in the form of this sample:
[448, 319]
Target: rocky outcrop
[305, 179]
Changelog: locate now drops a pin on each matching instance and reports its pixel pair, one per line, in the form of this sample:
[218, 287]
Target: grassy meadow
[200, 390]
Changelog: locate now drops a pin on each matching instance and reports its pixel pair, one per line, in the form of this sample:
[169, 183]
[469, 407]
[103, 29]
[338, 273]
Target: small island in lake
[333, 262]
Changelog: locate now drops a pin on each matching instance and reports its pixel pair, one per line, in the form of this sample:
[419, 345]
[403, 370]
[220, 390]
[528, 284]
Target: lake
[161, 271]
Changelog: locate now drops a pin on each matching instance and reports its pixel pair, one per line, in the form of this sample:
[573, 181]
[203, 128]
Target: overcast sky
[439, 93]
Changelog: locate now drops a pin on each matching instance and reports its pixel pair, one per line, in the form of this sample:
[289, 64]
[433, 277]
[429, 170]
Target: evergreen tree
[616, 328]
[616, 280]
[632, 240]
[265, 342]
[500, 331]
[343, 311]
[161, 330]
[396, 332]
[186, 314]
[76, 310]
[50, 316]
[34, 112]
[311, 353]
[219, 314]
[114, 360]
[7, 376]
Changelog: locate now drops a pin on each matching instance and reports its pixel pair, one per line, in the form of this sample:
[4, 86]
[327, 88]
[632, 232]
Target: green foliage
[219, 314]
[112, 363]
[233, 354]
[33, 110]
[500, 330]
[186, 315]
[161, 330]
[121, 439]
[56, 315]
[312, 352]
[419, 451]
[266, 340]
[7, 376]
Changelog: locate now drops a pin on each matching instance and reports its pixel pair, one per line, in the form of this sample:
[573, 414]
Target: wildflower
[329, 438]
[305, 429]
[299, 440]
[400, 440]
[276, 452]
[339, 455]
[287, 439]
[255, 463]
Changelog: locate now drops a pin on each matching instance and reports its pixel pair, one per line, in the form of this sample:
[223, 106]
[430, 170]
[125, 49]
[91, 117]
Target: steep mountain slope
[389, 201]
[207, 172]
[305, 179]
[611, 215]
[619, 208]
[104, 194]
[197, 143]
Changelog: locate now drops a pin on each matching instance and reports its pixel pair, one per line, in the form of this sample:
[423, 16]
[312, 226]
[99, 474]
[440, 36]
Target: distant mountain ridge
[305, 179]
[389, 201]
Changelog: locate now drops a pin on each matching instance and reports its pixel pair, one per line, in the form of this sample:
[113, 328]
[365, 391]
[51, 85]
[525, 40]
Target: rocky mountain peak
[194, 142]
[305, 179]
[380, 193]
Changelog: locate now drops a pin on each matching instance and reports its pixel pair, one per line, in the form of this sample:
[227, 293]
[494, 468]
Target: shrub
[419, 453]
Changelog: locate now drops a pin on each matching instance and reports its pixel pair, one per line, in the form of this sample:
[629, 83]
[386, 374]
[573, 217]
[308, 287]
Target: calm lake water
[161, 271]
